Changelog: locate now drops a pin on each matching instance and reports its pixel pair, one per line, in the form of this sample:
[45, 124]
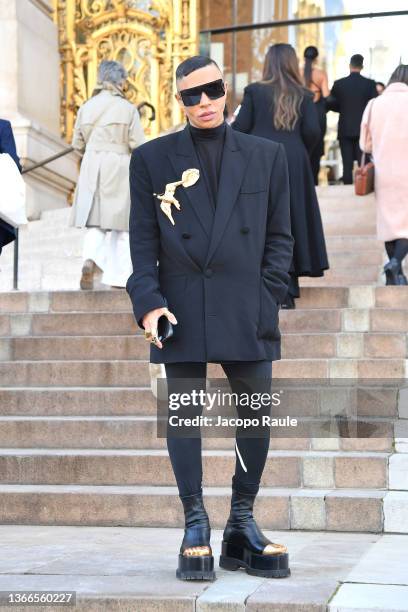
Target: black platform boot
[244, 544]
[195, 564]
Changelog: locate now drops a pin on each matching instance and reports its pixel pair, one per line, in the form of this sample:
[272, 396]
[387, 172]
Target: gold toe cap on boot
[274, 549]
[197, 551]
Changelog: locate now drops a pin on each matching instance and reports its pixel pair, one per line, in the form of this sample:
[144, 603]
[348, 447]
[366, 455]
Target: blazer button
[186, 236]
[244, 230]
[208, 272]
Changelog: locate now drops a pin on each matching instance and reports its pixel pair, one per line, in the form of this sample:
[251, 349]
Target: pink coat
[386, 137]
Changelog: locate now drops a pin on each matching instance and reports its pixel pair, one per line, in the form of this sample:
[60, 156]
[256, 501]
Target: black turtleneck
[209, 145]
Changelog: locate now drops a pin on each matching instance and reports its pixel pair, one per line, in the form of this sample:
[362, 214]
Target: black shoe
[402, 279]
[244, 543]
[391, 271]
[289, 303]
[196, 534]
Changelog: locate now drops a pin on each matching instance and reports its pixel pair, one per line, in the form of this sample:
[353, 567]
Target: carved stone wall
[149, 37]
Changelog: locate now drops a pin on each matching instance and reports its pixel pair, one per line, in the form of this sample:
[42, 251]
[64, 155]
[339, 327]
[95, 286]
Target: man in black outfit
[349, 97]
[211, 206]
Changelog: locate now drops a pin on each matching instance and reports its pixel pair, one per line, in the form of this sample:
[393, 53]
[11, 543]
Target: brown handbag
[364, 175]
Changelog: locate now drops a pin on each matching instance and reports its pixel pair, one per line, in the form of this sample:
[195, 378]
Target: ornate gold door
[149, 37]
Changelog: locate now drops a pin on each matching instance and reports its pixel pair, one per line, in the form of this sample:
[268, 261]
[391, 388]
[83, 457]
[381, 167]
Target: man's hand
[149, 323]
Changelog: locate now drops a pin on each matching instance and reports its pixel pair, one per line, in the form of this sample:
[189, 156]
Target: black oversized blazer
[223, 271]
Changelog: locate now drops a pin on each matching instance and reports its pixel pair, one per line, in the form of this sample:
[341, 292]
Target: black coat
[256, 117]
[223, 272]
[349, 97]
[7, 145]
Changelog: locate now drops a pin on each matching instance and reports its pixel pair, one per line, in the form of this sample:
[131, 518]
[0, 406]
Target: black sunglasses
[192, 96]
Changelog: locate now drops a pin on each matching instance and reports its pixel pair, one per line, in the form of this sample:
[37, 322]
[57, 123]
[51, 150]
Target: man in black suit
[223, 245]
[349, 97]
[7, 145]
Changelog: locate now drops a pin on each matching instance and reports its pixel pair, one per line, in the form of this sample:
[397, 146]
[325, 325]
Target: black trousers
[350, 152]
[250, 452]
[397, 248]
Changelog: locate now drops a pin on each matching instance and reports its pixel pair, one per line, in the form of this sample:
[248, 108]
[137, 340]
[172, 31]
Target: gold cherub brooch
[188, 178]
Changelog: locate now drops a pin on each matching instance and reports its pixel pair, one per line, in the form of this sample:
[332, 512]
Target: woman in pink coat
[384, 133]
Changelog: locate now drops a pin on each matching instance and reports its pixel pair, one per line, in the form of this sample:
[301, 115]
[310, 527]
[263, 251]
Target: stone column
[29, 98]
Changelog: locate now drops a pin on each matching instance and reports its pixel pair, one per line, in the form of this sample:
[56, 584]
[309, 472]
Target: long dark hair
[400, 75]
[281, 69]
[310, 54]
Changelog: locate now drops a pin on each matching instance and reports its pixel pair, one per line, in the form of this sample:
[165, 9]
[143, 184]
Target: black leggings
[185, 453]
[397, 248]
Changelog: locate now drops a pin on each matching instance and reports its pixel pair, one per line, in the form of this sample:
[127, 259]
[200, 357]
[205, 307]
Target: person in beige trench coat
[384, 133]
[107, 128]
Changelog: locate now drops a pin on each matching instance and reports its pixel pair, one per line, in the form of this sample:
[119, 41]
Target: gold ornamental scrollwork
[148, 37]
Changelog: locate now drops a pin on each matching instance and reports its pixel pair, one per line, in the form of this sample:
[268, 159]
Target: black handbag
[364, 175]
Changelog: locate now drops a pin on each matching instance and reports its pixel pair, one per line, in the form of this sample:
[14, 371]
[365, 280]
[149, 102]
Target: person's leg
[357, 152]
[397, 250]
[346, 149]
[250, 377]
[389, 247]
[400, 252]
[185, 453]
[93, 252]
[244, 544]
[196, 561]
[401, 249]
[118, 265]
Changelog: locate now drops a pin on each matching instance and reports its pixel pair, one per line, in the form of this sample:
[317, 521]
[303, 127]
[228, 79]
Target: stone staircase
[78, 441]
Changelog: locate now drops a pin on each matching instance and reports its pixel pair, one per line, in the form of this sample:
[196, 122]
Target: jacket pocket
[268, 323]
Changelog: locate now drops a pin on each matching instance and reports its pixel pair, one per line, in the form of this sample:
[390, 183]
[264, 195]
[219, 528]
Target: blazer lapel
[233, 166]
[185, 157]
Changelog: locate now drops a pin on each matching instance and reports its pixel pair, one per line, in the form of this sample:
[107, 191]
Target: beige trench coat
[107, 128]
[385, 135]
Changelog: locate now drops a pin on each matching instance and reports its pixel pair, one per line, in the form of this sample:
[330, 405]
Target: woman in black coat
[281, 109]
[7, 145]
[315, 80]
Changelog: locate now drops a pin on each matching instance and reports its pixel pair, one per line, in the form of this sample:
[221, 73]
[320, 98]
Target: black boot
[392, 270]
[196, 533]
[244, 543]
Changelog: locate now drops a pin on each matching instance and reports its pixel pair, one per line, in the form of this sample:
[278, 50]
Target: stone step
[74, 373]
[68, 324]
[366, 597]
[289, 469]
[65, 301]
[50, 266]
[118, 300]
[337, 225]
[395, 512]
[330, 510]
[34, 279]
[354, 243]
[140, 432]
[123, 323]
[294, 346]
[355, 259]
[81, 401]
[345, 277]
[398, 472]
[117, 373]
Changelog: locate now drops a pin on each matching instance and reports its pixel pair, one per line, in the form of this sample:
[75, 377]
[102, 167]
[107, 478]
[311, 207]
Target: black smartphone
[164, 329]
